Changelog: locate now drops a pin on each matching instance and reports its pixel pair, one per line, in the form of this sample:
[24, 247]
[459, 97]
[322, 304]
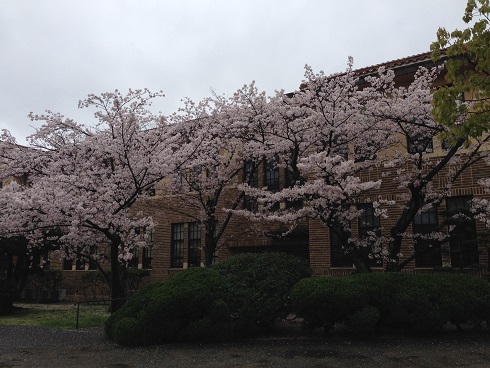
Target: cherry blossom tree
[420, 169]
[82, 181]
[309, 135]
[218, 138]
[331, 134]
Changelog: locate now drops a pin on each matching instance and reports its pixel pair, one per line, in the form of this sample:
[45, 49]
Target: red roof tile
[414, 59]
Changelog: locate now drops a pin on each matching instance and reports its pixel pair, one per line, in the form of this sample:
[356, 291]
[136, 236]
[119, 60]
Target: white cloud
[55, 52]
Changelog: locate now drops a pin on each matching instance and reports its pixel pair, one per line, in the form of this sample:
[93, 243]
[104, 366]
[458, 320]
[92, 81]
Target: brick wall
[246, 236]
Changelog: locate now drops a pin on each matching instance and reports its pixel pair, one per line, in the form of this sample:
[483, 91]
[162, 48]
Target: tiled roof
[405, 62]
[414, 59]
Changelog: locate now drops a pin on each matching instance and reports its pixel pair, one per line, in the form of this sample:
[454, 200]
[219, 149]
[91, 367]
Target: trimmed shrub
[238, 297]
[465, 298]
[163, 311]
[125, 329]
[256, 286]
[325, 301]
[218, 311]
[364, 321]
[414, 303]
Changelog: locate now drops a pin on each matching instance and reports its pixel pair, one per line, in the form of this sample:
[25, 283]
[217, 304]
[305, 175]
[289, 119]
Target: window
[194, 253]
[68, 261]
[271, 174]
[177, 256]
[22, 180]
[46, 262]
[148, 252]
[80, 262]
[151, 192]
[92, 264]
[339, 257]
[250, 174]
[271, 177]
[133, 262]
[368, 223]
[290, 180]
[462, 235]
[147, 257]
[362, 154]
[339, 146]
[419, 143]
[250, 177]
[427, 251]
[289, 176]
[212, 171]
[178, 181]
[343, 151]
[195, 179]
[67, 264]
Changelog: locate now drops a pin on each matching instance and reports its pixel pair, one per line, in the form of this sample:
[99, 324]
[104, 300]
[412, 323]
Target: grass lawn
[57, 315]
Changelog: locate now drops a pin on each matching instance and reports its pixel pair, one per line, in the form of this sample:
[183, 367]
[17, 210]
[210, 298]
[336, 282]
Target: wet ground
[26, 346]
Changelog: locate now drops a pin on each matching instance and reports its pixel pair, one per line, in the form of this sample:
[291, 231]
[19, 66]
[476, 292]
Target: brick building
[178, 237]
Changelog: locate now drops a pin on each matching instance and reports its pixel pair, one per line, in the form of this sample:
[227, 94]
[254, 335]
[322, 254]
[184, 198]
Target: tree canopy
[82, 181]
[468, 70]
[351, 147]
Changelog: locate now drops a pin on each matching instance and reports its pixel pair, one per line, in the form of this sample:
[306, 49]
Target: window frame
[195, 178]
[177, 245]
[371, 223]
[67, 264]
[339, 258]
[463, 255]
[427, 252]
[418, 143]
[133, 262]
[94, 250]
[250, 177]
[194, 244]
[147, 257]
[271, 178]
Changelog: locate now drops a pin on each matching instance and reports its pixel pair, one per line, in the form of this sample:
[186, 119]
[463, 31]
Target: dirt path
[23, 346]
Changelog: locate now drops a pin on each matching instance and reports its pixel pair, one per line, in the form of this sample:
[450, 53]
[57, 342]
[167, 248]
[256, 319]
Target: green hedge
[161, 312]
[235, 298]
[416, 303]
[257, 285]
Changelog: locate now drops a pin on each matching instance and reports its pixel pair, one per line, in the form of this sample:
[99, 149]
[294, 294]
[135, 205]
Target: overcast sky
[55, 52]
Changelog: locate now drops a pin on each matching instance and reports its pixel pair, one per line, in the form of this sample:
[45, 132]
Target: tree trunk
[394, 260]
[10, 266]
[359, 263]
[406, 218]
[209, 248]
[21, 273]
[417, 199]
[208, 257]
[118, 294]
[210, 236]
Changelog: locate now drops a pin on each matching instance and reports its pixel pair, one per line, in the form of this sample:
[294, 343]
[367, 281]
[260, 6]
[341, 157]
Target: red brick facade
[311, 240]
